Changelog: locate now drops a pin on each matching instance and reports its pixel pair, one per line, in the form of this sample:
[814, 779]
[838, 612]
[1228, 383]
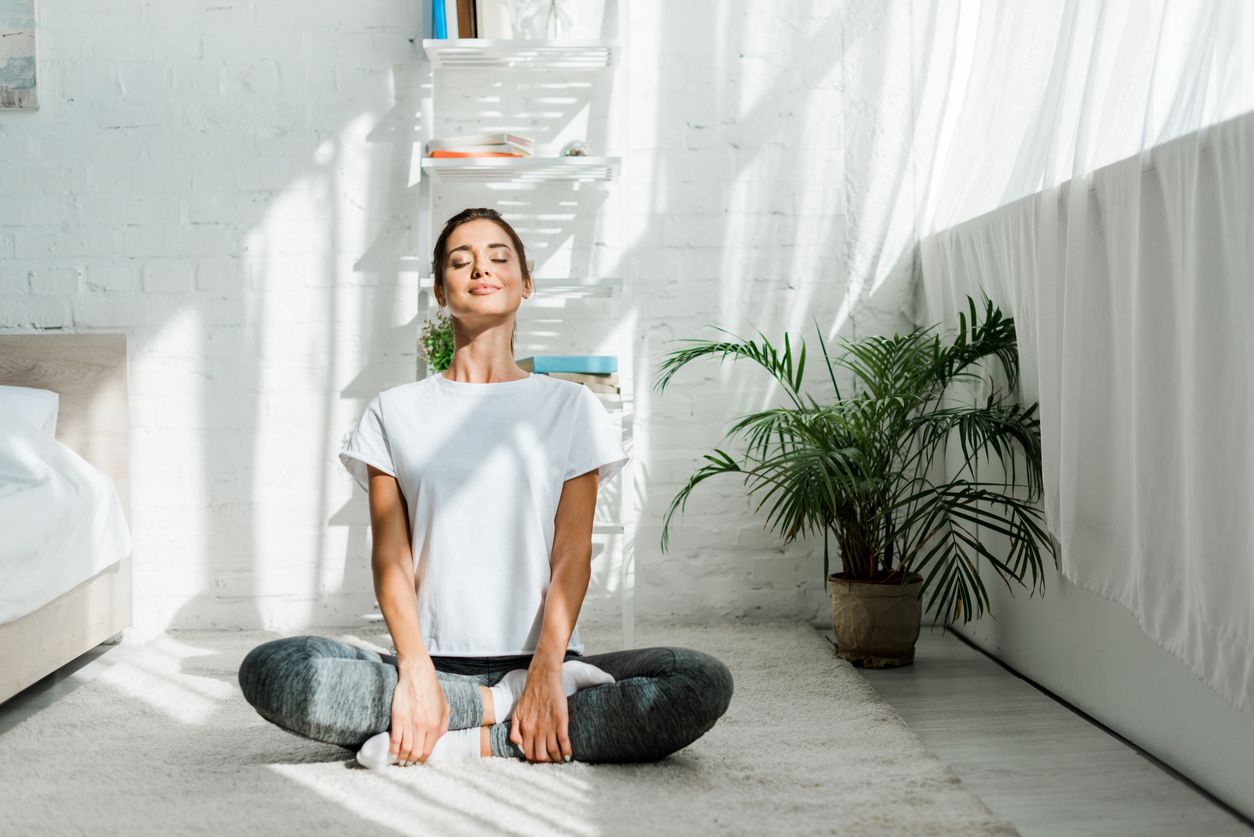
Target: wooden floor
[1034, 761]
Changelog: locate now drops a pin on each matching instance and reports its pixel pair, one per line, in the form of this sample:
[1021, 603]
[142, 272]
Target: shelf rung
[521, 53]
[522, 169]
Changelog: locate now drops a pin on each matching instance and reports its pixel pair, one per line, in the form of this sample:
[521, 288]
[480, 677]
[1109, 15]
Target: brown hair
[441, 243]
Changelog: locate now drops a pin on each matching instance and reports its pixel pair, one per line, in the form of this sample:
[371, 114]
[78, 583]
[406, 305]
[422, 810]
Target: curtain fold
[1097, 184]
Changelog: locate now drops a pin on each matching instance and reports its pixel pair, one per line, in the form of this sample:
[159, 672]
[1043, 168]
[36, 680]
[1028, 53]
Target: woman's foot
[458, 744]
[375, 753]
[453, 745]
[576, 675]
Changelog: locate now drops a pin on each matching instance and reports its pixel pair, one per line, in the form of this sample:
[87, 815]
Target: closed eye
[464, 264]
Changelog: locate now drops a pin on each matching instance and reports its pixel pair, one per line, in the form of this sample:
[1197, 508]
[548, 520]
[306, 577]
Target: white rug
[163, 742]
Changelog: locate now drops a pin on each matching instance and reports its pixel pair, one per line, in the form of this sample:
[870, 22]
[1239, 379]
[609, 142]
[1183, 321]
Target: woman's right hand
[420, 714]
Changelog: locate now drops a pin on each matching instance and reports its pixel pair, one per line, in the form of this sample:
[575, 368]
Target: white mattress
[61, 520]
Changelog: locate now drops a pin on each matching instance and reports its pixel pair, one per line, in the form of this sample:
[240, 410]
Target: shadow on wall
[766, 235]
[288, 324]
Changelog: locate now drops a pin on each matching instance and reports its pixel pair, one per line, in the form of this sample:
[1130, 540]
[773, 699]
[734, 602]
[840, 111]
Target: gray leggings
[664, 698]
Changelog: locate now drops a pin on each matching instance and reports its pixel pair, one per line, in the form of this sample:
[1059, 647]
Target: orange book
[442, 153]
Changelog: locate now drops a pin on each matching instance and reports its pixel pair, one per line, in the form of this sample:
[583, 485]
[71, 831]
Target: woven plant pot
[876, 622]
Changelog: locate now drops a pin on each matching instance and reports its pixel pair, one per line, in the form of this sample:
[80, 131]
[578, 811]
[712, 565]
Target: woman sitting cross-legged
[483, 485]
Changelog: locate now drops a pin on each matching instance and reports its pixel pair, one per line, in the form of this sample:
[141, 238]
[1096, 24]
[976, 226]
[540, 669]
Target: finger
[539, 748]
[554, 749]
[529, 745]
[413, 744]
[402, 750]
[423, 750]
[432, 738]
[415, 750]
[394, 742]
[564, 740]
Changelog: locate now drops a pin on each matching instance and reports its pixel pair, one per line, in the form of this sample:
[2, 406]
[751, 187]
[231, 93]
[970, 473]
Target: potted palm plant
[862, 468]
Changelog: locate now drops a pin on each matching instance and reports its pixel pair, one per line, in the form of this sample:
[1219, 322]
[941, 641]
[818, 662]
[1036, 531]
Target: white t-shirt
[481, 467]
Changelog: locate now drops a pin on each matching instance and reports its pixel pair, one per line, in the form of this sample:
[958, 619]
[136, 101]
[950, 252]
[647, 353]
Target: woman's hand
[420, 714]
[540, 717]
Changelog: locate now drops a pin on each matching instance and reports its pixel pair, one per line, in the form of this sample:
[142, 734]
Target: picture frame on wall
[18, 88]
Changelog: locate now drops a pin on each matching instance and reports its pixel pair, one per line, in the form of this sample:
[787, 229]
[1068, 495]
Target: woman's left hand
[541, 716]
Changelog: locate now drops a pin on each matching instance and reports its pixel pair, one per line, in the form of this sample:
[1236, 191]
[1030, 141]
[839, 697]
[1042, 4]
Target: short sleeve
[366, 445]
[596, 442]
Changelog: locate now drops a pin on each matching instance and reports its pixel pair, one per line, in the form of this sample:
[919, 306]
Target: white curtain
[1090, 167]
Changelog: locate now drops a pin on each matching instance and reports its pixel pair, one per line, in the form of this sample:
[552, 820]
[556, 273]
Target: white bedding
[61, 519]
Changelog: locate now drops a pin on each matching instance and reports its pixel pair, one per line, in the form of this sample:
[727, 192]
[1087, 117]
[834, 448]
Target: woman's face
[482, 272]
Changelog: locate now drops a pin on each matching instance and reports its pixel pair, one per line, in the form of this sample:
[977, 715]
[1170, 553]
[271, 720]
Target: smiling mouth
[484, 291]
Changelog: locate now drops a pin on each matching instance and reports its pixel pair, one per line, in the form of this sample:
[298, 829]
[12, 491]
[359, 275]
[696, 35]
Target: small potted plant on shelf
[861, 468]
[436, 341]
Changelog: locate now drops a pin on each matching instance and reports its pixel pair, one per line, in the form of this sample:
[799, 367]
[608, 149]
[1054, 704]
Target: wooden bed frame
[88, 371]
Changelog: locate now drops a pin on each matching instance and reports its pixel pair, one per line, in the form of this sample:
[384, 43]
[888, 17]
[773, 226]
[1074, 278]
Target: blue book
[440, 26]
[587, 364]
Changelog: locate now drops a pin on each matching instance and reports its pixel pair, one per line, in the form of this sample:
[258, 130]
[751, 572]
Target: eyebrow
[467, 247]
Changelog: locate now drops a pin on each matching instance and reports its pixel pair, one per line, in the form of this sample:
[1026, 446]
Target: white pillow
[23, 457]
[37, 407]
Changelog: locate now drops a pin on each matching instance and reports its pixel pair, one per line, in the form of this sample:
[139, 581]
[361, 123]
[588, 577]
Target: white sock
[506, 693]
[464, 743]
[454, 745]
[576, 675]
[375, 753]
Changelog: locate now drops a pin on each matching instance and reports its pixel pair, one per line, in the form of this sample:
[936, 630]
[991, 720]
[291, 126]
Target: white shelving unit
[590, 58]
[481, 53]
[522, 169]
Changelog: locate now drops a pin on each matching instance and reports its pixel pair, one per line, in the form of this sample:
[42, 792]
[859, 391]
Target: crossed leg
[663, 698]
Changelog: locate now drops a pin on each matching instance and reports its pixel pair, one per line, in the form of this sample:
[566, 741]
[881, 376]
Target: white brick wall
[766, 190]
[227, 183]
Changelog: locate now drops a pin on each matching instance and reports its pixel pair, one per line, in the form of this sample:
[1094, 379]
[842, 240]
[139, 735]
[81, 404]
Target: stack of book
[598, 373]
[507, 19]
[471, 19]
[492, 144]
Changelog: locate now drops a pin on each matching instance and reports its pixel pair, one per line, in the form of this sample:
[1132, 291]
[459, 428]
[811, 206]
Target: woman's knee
[267, 667]
[252, 669]
[712, 681]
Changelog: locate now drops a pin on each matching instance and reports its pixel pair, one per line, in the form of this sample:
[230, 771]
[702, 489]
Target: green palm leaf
[860, 467]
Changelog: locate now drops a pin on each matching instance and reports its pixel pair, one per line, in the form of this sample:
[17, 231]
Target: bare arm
[571, 566]
[420, 710]
[541, 719]
[392, 563]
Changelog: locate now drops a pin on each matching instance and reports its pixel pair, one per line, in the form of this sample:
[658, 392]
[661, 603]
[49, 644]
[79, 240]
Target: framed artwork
[17, 55]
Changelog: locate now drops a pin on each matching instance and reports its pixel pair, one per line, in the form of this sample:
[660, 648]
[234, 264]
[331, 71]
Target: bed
[65, 562]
